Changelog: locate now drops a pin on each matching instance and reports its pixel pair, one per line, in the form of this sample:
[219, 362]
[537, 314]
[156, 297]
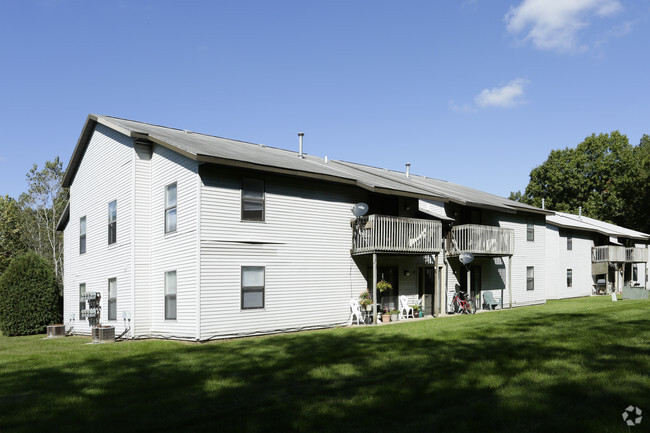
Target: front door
[426, 284]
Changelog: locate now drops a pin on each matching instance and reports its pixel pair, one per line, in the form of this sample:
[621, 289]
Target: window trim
[169, 208]
[569, 277]
[82, 304]
[169, 296]
[261, 201]
[82, 235]
[113, 300]
[249, 289]
[530, 281]
[112, 225]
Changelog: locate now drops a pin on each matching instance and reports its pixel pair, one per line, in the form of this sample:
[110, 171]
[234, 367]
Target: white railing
[636, 255]
[608, 253]
[479, 239]
[381, 233]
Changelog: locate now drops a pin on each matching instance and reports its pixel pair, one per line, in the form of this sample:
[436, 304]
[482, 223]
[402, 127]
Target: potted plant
[416, 309]
[365, 300]
[384, 285]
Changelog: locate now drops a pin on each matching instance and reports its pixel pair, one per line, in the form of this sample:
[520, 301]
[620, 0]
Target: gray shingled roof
[567, 220]
[218, 150]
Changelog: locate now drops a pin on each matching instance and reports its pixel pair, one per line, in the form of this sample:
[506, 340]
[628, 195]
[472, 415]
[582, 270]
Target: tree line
[28, 223]
[604, 175]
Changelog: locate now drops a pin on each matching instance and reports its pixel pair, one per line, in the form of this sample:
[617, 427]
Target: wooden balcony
[481, 240]
[636, 255]
[618, 254]
[390, 234]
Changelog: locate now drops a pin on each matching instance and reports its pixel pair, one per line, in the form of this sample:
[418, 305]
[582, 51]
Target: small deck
[618, 254]
[481, 240]
[391, 234]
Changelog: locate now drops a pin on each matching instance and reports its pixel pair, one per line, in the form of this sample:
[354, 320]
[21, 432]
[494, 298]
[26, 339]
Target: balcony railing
[482, 240]
[636, 255]
[607, 253]
[390, 234]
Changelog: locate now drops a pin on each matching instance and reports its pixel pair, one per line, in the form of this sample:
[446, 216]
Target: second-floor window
[82, 235]
[170, 208]
[252, 200]
[112, 222]
[569, 242]
[530, 230]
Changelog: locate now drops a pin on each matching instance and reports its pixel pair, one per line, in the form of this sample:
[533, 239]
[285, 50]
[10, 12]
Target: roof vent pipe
[543, 204]
[408, 170]
[300, 135]
[580, 211]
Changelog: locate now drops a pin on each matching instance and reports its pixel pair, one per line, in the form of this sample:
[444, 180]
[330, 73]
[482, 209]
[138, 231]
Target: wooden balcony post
[510, 282]
[374, 288]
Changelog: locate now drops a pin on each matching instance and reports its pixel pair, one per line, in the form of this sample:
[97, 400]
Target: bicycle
[462, 304]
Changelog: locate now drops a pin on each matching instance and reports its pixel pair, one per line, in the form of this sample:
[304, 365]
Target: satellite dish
[360, 209]
[466, 257]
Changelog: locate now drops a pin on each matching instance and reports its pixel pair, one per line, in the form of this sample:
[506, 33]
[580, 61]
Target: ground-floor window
[82, 302]
[112, 299]
[530, 278]
[252, 287]
[569, 277]
[170, 295]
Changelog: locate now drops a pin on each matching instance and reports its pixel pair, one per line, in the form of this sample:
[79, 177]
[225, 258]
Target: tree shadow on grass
[506, 376]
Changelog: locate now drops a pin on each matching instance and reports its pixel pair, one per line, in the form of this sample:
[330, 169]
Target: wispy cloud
[508, 95]
[554, 24]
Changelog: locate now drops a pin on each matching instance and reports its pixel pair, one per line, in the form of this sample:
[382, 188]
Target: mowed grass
[570, 365]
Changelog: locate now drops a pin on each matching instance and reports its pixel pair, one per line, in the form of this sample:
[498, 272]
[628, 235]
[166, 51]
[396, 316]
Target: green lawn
[570, 365]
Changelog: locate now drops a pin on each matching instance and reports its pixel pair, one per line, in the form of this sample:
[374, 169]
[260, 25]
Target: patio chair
[489, 302]
[355, 310]
[404, 307]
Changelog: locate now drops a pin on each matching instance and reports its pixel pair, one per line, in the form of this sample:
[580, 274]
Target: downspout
[374, 288]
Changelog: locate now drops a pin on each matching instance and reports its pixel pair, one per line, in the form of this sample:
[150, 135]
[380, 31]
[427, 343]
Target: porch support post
[374, 288]
[510, 282]
[436, 290]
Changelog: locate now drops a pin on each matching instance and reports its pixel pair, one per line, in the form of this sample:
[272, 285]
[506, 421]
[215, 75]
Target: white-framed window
[170, 295]
[170, 208]
[569, 277]
[530, 278]
[252, 287]
[112, 222]
[252, 199]
[82, 235]
[82, 302]
[569, 242]
[530, 230]
[112, 299]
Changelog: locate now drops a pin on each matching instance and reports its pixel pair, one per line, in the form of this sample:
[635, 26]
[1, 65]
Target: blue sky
[476, 92]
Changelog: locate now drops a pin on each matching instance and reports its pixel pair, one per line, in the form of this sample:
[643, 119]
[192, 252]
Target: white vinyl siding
[104, 174]
[305, 269]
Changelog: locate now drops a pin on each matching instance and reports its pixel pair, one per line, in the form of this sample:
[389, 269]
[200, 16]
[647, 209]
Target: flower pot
[385, 318]
[394, 317]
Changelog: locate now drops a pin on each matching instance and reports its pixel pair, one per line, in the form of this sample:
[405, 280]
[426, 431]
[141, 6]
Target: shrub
[30, 298]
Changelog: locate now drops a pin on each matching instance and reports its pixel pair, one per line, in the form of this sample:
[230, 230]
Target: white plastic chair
[355, 310]
[404, 306]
